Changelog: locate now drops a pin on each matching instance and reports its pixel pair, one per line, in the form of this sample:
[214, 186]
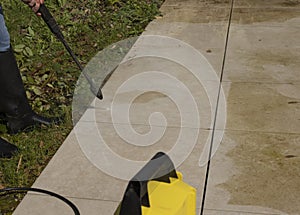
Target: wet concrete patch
[148, 97]
[269, 171]
[142, 104]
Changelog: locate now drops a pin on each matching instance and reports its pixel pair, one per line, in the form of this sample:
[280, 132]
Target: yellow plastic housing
[175, 198]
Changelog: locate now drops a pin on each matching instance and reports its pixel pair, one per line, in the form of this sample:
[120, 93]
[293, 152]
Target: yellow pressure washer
[157, 189]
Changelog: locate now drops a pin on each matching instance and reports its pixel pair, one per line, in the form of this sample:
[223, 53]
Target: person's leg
[13, 99]
[6, 149]
[4, 35]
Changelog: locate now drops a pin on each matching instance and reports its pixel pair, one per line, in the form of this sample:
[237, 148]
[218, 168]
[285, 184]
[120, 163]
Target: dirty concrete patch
[263, 107]
[266, 4]
[195, 14]
[268, 158]
[269, 166]
[258, 53]
[276, 60]
[191, 11]
[260, 65]
[269, 16]
[199, 3]
[291, 3]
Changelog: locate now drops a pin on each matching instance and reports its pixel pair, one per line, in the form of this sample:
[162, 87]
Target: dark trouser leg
[13, 100]
[6, 149]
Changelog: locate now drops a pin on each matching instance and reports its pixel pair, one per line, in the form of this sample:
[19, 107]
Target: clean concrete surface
[255, 170]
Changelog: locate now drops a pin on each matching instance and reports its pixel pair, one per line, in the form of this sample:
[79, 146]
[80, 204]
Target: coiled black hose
[37, 190]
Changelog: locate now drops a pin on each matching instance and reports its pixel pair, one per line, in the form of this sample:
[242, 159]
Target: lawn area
[50, 74]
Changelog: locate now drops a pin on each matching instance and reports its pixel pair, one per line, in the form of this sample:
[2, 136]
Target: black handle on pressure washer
[159, 168]
[53, 26]
[50, 21]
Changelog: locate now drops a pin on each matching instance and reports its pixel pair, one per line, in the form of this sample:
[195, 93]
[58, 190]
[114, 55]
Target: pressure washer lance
[53, 26]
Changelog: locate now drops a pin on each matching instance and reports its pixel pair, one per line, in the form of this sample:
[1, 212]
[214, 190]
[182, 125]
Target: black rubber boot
[7, 150]
[13, 100]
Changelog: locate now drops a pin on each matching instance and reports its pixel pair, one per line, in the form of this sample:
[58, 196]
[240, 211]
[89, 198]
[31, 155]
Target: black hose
[37, 190]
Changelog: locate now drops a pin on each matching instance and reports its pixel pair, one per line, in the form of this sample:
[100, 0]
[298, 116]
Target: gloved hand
[34, 5]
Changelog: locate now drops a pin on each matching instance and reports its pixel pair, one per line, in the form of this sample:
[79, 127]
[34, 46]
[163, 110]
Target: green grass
[50, 75]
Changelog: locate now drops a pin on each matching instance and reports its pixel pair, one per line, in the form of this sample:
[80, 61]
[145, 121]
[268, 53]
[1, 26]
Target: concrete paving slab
[201, 24]
[39, 204]
[181, 50]
[255, 54]
[71, 174]
[208, 39]
[263, 107]
[255, 172]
